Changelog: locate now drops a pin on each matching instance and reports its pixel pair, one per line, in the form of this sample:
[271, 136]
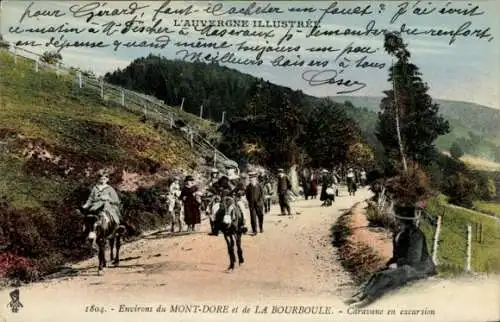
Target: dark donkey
[229, 220]
[99, 227]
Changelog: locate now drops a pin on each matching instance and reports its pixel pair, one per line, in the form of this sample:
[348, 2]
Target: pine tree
[408, 110]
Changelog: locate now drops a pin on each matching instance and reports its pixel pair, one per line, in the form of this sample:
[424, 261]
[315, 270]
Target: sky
[466, 70]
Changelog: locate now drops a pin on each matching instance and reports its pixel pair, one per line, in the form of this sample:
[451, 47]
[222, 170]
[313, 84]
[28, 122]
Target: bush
[18, 268]
[144, 209]
[38, 241]
[461, 190]
[411, 187]
[377, 218]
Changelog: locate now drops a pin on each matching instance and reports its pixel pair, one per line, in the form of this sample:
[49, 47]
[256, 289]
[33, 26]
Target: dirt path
[291, 263]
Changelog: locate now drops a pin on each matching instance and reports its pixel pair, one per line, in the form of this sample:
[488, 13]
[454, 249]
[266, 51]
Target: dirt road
[291, 263]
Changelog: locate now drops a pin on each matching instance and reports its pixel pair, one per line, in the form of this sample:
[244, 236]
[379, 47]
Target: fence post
[201, 111]
[79, 79]
[469, 248]
[191, 135]
[123, 97]
[102, 88]
[215, 159]
[171, 121]
[36, 65]
[223, 114]
[182, 104]
[435, 241]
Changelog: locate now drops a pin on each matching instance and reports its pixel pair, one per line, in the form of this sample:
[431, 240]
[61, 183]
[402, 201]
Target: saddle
[98, 212]
[91, 212]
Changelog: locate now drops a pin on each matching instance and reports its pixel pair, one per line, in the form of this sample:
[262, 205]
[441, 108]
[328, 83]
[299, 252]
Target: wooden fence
[150, 107]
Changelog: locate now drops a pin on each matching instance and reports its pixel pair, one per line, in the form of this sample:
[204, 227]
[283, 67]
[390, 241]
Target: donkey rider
[104, 197]
[227, 186]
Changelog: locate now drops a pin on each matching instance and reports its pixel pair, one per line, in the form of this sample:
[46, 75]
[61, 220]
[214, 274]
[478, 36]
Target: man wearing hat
[255, 197]
[410, 261]
[284, 186]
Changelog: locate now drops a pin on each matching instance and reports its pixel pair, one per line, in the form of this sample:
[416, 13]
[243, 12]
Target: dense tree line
[219, 89]
[267, 124]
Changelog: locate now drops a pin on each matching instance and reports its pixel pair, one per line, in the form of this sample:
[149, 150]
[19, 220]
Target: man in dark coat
[410, 261]
[305, 182]
[326, 182]
[284, 186]
[255, 197]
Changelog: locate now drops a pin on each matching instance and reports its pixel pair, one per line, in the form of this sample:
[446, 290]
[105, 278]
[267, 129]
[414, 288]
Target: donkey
[99, 227]
[229, 220]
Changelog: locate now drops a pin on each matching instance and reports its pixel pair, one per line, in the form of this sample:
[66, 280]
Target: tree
[51, 57]
[456, 151]
[409, 122]
[285, 129]
[461, 189]
[329, 134]
[360, 154]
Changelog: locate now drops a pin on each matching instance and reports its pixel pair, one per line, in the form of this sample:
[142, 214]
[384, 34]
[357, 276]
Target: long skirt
[314, 189]
[390, 279]
[192, 214]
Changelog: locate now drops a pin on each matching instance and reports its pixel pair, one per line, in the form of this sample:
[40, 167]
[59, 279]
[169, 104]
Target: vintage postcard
[249, 161]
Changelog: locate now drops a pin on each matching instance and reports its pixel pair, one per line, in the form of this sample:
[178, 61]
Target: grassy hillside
[54, 137]
[492, 208]
[464, 117]
[452, 244]
[478, 163]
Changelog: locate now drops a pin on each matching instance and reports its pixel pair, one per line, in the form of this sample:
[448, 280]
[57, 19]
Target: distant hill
[464, 118]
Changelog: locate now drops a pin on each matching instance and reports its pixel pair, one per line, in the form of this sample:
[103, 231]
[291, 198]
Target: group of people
[329, 181]
[411, 260]
[252, 191]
